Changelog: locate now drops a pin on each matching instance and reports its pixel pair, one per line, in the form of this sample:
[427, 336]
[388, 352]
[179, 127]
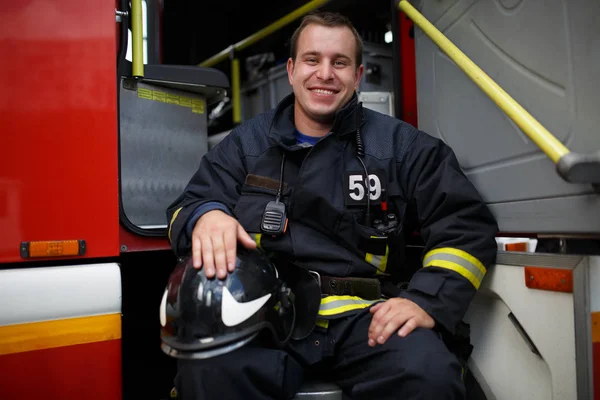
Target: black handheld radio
[274, 219]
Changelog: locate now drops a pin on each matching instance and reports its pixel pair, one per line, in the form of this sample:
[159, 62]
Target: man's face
[324, 75]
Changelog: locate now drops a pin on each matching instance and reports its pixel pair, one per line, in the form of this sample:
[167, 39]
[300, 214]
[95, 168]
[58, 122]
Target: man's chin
[323, 115]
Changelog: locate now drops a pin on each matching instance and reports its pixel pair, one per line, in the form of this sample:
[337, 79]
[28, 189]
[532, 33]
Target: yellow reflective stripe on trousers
[333, 305]
[458, 261]
[256, 237]
[173, 220]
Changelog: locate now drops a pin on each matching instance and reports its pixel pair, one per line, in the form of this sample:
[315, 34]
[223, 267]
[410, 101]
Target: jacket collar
[347, 120]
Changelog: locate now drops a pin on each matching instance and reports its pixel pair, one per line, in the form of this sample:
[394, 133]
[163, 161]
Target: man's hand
[214, 243]
[396, 315]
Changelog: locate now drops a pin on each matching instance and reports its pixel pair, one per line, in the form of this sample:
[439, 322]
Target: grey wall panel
[280, 85]
[544, 54]
[546, 214]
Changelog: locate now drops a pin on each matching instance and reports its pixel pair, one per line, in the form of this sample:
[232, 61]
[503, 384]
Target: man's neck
[308, 126]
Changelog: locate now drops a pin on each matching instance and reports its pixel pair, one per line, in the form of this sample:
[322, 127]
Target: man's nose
[325, 71]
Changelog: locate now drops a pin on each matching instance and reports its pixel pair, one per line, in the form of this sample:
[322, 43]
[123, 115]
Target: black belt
[366, 288]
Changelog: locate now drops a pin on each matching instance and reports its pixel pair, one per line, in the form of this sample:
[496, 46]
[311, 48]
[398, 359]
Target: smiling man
[349, 184]
[325, 70]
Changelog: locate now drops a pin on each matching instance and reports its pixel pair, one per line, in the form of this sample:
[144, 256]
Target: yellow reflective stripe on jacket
[323, 323]
[458, 261]
[256, 237]
[333, 305]
[378, 261]
[173, 220]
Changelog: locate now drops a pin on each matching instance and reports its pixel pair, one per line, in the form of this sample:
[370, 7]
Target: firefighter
[335, 188]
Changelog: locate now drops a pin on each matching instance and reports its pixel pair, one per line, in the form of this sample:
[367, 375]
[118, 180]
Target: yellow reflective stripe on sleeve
[458, 261]
[256, 237]
[457, 268]
[175, 214]
[333, 305]
[458, 253]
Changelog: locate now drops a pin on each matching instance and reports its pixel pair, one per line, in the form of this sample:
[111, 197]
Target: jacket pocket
[366, 242]
[249, 210]
[251, 205]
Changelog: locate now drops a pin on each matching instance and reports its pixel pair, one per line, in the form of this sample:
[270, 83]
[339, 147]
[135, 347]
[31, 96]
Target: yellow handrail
[528, 124]
[275, 26]
[236, 101]
[137, 48]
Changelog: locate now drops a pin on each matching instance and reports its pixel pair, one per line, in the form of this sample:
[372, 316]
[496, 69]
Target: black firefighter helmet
[203, 318]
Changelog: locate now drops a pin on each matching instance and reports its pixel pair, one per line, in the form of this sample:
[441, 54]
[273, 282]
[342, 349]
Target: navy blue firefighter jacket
[412, 175]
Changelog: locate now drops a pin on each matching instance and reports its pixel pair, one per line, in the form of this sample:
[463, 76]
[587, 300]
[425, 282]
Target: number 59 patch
[355, 187]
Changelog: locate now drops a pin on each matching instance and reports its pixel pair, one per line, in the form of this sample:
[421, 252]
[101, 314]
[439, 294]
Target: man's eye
[340, 63]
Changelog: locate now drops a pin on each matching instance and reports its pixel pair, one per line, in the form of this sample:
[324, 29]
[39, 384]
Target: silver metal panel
[538, 259]
[161, 144]
[49, 293]
[583, 330]
[382, 102]
[594, 283]
[545, 54]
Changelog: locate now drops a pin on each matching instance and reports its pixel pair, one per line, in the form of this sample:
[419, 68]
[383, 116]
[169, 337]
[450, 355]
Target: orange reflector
[552, 279]
[520, 246]
[596, 327]
[47, 248]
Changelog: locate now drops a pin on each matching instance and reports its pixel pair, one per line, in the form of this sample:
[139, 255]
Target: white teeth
[322, 91]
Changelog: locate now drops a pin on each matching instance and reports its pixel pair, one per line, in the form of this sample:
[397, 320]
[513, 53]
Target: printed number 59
[357, 189]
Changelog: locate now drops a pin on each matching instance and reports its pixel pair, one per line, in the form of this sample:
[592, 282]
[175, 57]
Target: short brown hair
[328, 19]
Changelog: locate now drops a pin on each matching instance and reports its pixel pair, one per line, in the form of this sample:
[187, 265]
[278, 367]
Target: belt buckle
[316, 275]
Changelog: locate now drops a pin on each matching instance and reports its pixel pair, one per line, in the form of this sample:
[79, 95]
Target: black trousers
[419, 366]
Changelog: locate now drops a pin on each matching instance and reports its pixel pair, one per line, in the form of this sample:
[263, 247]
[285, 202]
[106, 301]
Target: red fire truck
[94, 147]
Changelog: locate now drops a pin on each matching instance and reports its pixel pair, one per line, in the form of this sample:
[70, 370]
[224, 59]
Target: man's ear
[358, 76]
[290, 69]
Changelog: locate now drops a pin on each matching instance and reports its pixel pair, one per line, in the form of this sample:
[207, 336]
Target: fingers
[244, 238]
[386, 324]
[408, 327]
[396, 315]
[207, 256]
[379, 311]
[196, 252]
[376, 307]
[229, 238]
[380, 318]
[381, 315]
[392, 326]
[214, 243]
[220, 257]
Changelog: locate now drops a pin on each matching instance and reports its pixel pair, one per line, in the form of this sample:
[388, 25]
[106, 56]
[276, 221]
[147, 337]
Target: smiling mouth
[324, 91]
